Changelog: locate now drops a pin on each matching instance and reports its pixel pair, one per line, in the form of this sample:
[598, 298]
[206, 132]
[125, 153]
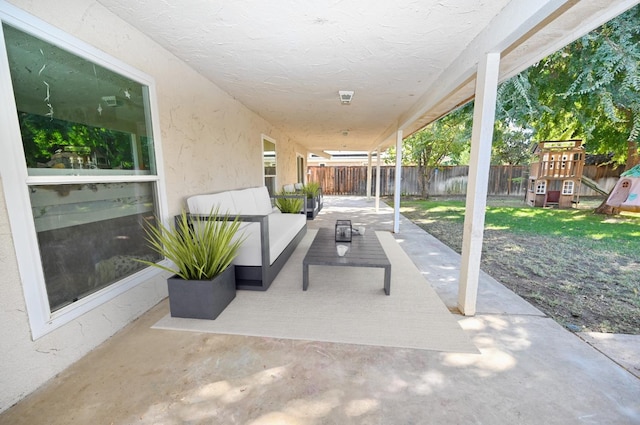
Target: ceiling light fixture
[345, 96]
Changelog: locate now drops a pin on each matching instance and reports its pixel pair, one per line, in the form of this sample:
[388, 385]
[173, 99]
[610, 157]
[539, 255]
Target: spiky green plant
[200, 249]
[289, 204]
[311, 189]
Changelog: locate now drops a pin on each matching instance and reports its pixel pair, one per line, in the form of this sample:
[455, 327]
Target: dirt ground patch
[571, 280]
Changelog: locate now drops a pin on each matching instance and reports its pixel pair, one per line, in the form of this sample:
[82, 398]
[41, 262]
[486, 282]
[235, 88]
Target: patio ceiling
[408, 61]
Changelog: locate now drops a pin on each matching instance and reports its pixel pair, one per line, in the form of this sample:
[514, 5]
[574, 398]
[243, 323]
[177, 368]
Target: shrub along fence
[504, 180]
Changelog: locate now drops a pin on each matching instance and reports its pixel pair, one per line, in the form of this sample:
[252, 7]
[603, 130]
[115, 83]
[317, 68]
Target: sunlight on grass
[525, 213]
[425, 221]
[496, 227]
[572, 223]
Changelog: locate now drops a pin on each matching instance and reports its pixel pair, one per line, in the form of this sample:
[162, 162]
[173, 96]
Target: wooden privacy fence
[504, 180]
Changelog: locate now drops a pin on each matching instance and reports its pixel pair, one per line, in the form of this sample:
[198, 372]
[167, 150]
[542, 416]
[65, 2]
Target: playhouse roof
[633, 172]
[557, 145]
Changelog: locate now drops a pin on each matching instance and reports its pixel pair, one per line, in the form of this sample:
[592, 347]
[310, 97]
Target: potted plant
[201, 249]
[314, 198]
[289, 203]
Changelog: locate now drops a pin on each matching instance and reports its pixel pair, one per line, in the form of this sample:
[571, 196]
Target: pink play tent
[625, 196]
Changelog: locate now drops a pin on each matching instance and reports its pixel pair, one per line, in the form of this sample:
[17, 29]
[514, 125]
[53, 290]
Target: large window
[87, 142]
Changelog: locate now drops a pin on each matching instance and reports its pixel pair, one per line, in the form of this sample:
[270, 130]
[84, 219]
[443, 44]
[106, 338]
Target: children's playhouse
[555, 173]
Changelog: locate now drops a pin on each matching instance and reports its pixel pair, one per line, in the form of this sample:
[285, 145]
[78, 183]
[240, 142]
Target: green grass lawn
[619, 233]
[581, 268]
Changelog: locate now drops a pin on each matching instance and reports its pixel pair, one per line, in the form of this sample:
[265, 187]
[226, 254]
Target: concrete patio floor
[530, 371]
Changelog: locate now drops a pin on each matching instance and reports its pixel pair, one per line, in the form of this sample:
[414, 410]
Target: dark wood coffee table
[364, 251]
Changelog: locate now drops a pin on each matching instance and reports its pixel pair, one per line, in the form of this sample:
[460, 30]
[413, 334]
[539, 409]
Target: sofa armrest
[262, 220]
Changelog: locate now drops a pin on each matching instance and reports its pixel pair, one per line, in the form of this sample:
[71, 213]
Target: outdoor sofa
[271, 236]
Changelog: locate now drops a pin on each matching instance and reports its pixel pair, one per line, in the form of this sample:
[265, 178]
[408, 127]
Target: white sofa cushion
[282, 229]
[263, 201]
[205, 204]
[244, 201]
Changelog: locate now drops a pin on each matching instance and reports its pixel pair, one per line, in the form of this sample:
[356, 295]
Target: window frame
[300, 168]
[541, 187]
[266, 138]
[568, 187]
[16, 181]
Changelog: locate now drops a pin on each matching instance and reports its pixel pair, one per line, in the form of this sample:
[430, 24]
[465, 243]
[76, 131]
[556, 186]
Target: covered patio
[529, 369]
[201, 97]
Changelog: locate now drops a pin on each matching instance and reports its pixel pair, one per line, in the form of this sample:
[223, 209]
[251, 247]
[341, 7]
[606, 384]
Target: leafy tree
[43, 136]
[510, 144]
[590, 89]
[444, 140]
[606, 65]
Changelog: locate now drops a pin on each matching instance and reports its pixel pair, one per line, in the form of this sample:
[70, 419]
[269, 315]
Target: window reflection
[75, 114]
[90, 235]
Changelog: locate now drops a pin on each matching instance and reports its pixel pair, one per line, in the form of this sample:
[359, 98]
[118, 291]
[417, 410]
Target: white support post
[398, 189]
[369, 175]
[481, 138]
[378, 180]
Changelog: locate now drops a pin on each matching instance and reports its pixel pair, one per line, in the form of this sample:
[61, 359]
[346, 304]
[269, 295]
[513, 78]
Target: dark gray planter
[201, 299]
[314, 205]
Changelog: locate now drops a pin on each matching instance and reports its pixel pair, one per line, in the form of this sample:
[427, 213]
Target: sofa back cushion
[263, 201]
[244, 201]
[252, 201]
[205, 204]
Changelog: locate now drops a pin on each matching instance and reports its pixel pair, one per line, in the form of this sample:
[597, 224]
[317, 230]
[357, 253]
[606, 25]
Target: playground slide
[593, 185]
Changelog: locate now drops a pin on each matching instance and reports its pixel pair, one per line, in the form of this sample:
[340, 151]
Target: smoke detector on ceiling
[345, 96]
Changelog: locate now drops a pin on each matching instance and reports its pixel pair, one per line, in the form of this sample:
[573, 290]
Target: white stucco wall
[287, 165]
[210, 142]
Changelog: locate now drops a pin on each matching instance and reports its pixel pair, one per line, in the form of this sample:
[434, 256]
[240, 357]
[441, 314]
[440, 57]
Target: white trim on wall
[300, 156]
[264, 137]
